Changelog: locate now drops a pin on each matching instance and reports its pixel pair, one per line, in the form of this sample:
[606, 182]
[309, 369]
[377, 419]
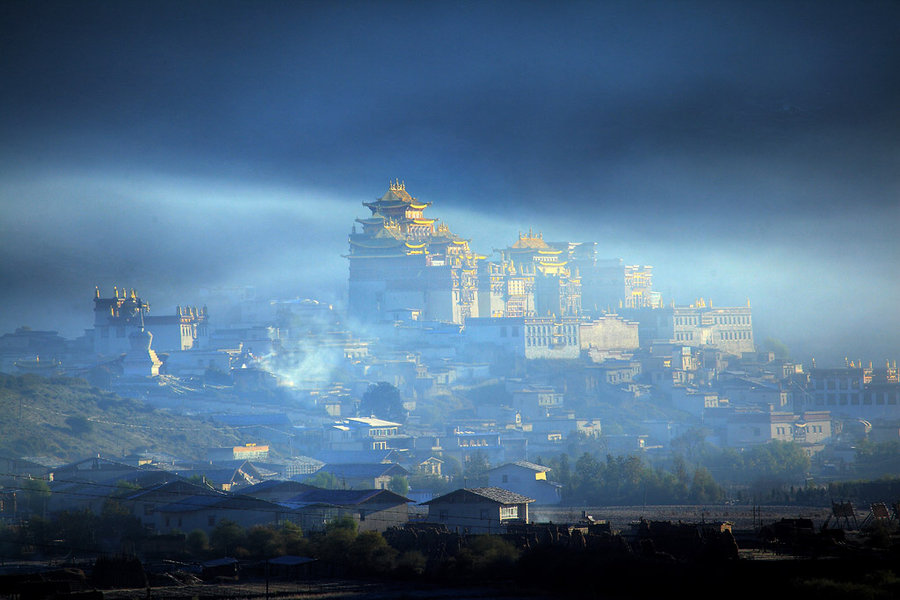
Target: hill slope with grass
[68, 419]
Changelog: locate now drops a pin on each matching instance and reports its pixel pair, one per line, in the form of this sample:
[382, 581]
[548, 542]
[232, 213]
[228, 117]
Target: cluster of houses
[167, 500]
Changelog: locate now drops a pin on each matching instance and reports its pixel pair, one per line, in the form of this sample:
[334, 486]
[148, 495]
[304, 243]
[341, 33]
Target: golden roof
[532, 241]
[397, 191]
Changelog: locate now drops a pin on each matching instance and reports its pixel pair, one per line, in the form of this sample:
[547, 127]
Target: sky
[746, 150]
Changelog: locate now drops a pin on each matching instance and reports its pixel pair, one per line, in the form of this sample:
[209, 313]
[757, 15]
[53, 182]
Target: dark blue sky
[744, 149]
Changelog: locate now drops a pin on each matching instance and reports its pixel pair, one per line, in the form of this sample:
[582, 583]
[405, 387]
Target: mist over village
[510, 299]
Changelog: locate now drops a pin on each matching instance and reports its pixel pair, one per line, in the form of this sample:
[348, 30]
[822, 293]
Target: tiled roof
[494, 494]
[500, 495]
[345, 497]
[525, 465]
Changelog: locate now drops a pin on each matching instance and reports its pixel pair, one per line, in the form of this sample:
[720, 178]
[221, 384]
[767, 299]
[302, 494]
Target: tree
[704, 488]
[324, 480]
[335, 543]
[293, 540]
[78, 529]
[227, 537]
[264, 542]
[370, 553]
[37, 494]
[197, 542]
[399, 485]
[691, 442]
[777, 347]
[383, 401]
[475, 472]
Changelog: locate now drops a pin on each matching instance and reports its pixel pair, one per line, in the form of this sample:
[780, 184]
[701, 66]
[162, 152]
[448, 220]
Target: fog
[745, 151]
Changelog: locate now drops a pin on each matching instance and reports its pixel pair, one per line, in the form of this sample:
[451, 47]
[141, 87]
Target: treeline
[628, 480]
[704, 474]
[340, 545]
[861, 493]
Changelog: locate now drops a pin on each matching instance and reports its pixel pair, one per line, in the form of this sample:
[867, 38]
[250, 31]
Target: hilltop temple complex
[406, 266]
[403, 261]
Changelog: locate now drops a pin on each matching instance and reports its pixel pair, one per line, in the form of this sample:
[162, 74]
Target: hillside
[69, 419]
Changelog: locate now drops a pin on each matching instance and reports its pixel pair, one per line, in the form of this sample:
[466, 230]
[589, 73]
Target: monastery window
[891, 398]
[515, 332]
[831, 399]
[880, 398]
[503, 331]
[843, 399]
[867, 398]
[854, 398]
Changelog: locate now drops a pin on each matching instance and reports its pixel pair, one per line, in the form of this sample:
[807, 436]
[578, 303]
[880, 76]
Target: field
[741, 516]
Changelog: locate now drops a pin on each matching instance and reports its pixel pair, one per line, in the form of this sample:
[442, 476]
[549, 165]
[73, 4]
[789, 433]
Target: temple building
[123, 314]
[402, 260]
[532, 278]
[729, 329]
[639, 288]
[115, 319]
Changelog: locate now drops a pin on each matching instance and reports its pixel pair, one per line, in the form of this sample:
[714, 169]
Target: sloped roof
[220, 501]
[176, 487]
[493, 494]
[395, 194]
[346, 497]
[364, 470]
[276, 486]
[525, 465]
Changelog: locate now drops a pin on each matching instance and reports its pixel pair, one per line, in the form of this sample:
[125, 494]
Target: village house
[528, 479]
[205, 511]
[143, 503]
[364, 433]
[372, 510]
[478, 510]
